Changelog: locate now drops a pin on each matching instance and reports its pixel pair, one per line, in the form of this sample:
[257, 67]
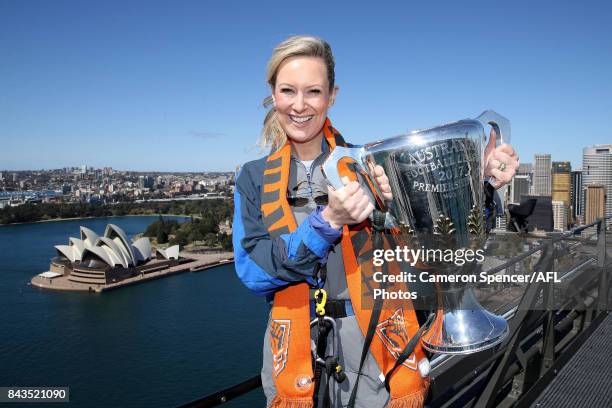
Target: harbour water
[158, 344]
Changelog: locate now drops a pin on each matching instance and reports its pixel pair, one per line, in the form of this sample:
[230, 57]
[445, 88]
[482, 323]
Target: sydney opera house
[112, 257]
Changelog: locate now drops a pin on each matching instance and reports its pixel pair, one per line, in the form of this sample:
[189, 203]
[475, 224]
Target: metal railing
[540, 341]
[539, 344]
[223, 396]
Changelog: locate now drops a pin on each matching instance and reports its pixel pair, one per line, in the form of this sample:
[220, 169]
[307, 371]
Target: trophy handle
[499, 123]
[502, 128]
[357, 154]
[330, 167]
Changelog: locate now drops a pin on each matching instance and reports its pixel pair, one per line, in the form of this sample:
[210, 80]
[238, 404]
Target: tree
[162, 236]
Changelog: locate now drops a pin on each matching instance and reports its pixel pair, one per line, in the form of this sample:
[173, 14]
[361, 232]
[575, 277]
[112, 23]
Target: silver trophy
[436, 177]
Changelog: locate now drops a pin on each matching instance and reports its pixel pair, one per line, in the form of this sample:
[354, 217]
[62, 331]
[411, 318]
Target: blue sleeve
[265, 263]
[323, 228]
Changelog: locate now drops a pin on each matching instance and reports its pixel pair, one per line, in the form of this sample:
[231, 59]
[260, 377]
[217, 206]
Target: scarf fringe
[415, 400]
[280, 402]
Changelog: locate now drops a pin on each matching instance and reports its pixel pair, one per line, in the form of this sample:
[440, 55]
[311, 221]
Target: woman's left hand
[501, 162]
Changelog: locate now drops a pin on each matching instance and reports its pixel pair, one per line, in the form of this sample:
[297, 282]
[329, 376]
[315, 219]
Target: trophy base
[465, 332]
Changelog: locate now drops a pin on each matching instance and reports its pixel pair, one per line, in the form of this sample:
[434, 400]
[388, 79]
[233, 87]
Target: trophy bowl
[436, 177]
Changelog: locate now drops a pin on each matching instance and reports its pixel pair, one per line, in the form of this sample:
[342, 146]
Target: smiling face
[301, 98]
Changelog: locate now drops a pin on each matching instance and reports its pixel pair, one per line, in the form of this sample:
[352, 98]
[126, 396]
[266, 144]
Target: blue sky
[177, 86]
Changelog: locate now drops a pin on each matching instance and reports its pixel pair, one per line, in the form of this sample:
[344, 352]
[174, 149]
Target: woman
[292, 234]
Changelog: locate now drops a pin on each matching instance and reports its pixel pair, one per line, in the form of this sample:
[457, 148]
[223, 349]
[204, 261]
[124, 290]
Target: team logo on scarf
[394, 336]
[279, 342]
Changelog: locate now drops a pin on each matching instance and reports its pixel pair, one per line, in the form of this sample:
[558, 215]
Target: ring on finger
[502, 166]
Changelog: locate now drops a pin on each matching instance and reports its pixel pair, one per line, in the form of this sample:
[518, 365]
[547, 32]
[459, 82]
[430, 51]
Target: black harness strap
[374, 317]
[407, 351]
[366, 347]
[321, 344]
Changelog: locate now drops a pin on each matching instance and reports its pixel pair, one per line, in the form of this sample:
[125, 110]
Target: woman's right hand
[349, 205]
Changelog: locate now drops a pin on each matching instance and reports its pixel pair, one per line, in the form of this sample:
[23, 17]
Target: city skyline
[92, 168]
[154, 87]
[523, 161]
[566, 192]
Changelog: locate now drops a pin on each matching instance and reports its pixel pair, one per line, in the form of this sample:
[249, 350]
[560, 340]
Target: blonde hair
[272, 134]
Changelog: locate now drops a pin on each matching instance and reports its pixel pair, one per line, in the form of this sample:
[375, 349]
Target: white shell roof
[100, 254]
[170, 252]
[113, 248]
[142, 249]
[116, 234]
[121, 256]
[67, 251]
[78, 246]
[88, 236]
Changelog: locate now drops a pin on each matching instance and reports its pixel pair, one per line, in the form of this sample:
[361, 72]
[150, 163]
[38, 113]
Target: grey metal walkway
[586, 379]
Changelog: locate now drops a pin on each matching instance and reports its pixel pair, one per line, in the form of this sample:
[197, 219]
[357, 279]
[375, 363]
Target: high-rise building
[1, 176]
[595, 203]
[576, 195]
[542, 175]
[559, 215]
[146, 181]
[597, 170]
[523, 179]
[525, 168]
[519, 187]
[501, 222]
[561, 181]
